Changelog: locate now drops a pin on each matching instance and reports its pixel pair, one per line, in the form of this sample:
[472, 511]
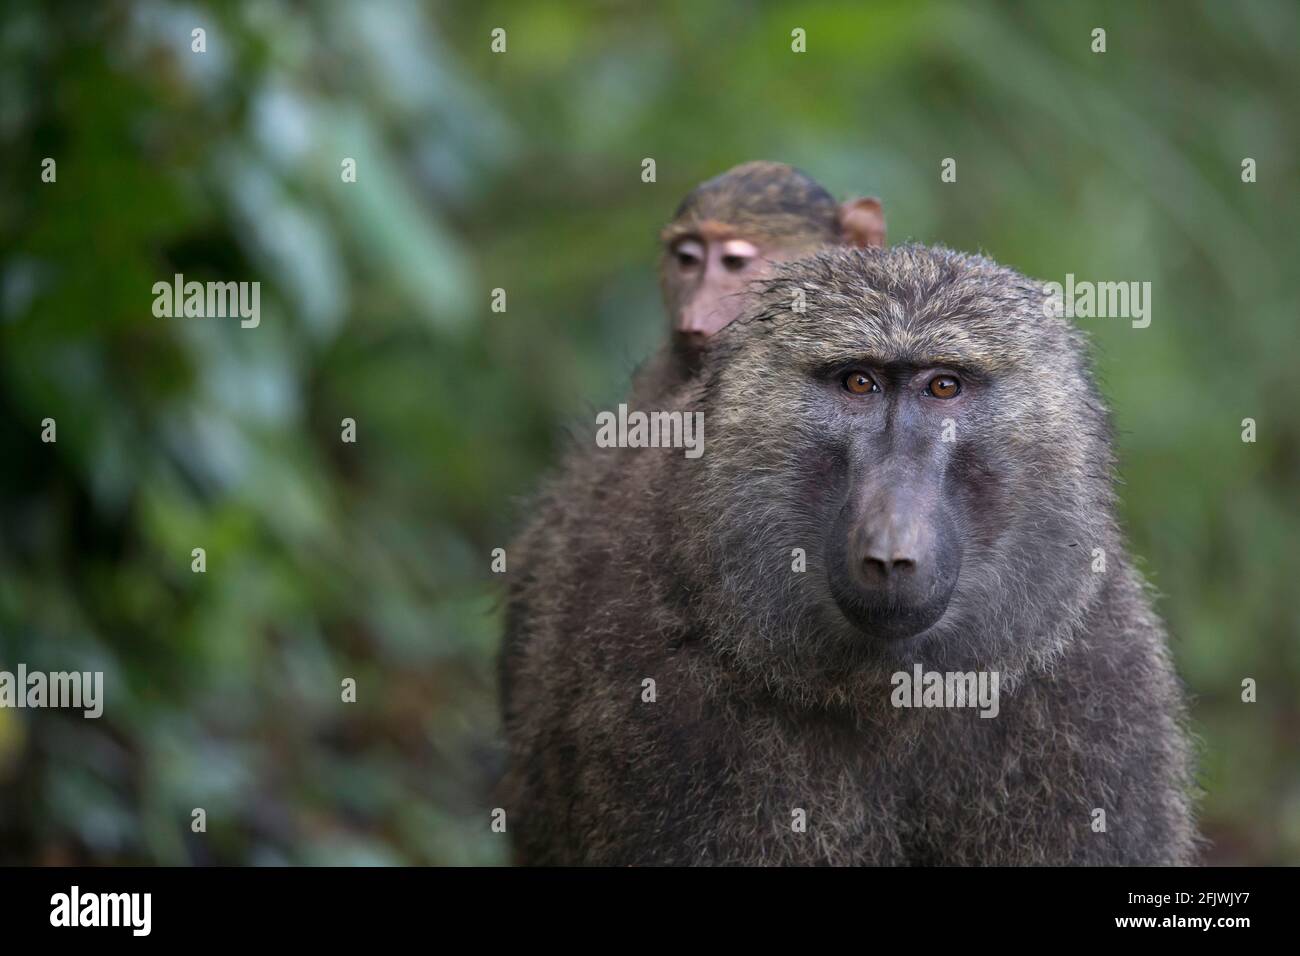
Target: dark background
[522, 171]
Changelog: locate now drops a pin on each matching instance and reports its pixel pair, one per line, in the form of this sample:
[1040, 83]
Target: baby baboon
[730, 659]
[730, 231]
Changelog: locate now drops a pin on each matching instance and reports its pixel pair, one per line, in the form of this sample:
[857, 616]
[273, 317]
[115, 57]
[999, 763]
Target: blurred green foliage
[522, 171]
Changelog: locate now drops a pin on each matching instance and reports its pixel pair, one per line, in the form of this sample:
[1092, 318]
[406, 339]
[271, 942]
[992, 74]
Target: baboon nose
[895, 570]
[890, 548]
[880, 566]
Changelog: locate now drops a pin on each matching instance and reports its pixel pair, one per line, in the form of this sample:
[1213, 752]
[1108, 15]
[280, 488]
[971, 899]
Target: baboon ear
[862, 222]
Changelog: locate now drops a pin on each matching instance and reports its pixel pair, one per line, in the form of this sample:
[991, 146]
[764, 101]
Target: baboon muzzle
[895, 556]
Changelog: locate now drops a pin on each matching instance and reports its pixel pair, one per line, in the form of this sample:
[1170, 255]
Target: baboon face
[927, 438]
[735, 228]
[893, 548]
[705, 274]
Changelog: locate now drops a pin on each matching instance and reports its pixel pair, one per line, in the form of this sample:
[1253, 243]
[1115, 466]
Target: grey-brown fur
[645, 564]
[761, 198]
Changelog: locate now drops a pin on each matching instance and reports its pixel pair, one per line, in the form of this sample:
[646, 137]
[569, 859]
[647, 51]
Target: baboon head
[928, 440]
[732, 229]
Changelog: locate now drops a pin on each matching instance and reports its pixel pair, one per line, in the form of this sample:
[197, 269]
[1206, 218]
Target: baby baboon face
[926, 437]
[732, 229]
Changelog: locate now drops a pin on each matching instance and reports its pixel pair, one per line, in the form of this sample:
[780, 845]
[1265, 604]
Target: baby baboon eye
[689, 253]
[943, 386]
[860, 383]
[737, 253]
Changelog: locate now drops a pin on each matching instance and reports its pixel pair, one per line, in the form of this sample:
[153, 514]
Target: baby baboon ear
[862, 222]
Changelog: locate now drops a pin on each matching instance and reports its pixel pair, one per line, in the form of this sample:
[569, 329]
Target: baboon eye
[737, 254]
[689, 253]
[943, 386]
[860, 383]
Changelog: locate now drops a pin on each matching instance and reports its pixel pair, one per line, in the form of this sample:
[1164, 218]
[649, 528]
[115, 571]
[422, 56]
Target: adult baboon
[912, 475]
